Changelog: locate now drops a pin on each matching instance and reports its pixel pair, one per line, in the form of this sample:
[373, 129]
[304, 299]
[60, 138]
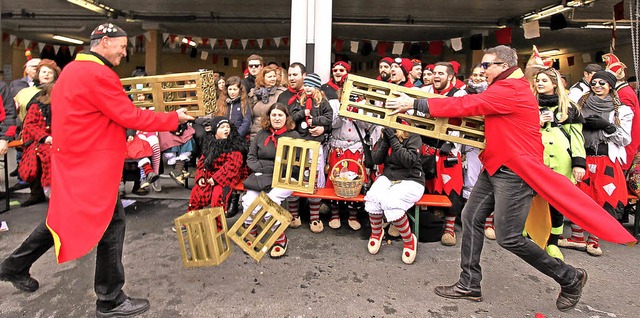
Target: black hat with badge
[107, 29]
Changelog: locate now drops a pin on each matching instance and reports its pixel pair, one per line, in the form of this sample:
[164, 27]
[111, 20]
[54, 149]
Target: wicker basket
[349, 188]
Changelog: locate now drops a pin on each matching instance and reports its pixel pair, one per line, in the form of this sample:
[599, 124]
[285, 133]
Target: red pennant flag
[79, 48]
[571, 60]
[285, 40]
[34, 44]
[504, 36]
[18, 42]
[382, 48]
[339, 45]
[205, 41]
[618, 11]
[172, 37]
[5, 36]
[435, 48]
[235, 42]
[267, 43]
[221, 42]
[253, 43]
[214, 58]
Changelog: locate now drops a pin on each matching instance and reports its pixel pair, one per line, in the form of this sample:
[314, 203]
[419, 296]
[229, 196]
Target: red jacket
[92, 113]
[512, 137]
[628, 97]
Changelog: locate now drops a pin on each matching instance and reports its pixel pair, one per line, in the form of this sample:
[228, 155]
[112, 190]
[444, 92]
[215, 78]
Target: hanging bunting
[339, 45]
[212, 42]
[382, 48]
[277, 41]
[147, 36]
[267, 42]
[197, 39]
[5, 36]
[12, 38]
[260, 42]
[204, 55]
[73, 50]
[285, 41]
[618, 11]
[165, 36]
[374, 43]
[398, 47]
[132, 40]
[220, 43]
[40, 46]
[205, 41]
[244, 43]
[456, 44]
[229, 42]
[56, 48]
[354, 46]
[435, 48]
[234, 63]
[531, 29]
[503, 36]
[253, 43]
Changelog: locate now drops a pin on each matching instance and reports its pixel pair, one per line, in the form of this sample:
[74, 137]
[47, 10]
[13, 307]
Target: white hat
[32, 62]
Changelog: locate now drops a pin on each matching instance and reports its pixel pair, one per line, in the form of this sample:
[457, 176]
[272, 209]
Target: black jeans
[109, 275]
[509, 197]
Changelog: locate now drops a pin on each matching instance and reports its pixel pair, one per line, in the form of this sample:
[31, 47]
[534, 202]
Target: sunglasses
[254, 65]
[341, 70]
[485, 65]
[600, 82]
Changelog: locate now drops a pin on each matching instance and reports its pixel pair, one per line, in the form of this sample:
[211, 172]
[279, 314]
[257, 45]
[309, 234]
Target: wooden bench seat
[434, 200]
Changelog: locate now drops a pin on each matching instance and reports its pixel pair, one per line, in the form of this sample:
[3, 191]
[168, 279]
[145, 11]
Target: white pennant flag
[374, 43]
[40, 46]
[165, 36]
[73, 50]
[234, 62]
[196, 39]
[12, 38]
[147, 35]
[56, 48]
[456, 44]
[27, 43]
[397, 48]
[277, 41]
[132, 40]
[260, 42]
[531, 29]
[204, 55]
[212, 42]
[447, 43]
[228, 41]
[244, 43]
[354, 46]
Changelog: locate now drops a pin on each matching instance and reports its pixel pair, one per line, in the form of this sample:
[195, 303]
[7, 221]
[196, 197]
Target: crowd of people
[586, 133]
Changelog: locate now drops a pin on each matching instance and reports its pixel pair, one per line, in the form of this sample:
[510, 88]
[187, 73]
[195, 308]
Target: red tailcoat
[512, 136]
[89, 145]
[628, 97]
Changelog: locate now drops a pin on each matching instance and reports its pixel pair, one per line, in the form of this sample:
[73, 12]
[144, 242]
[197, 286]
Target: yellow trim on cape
[88, 57]
[56, 240]
[516, 74]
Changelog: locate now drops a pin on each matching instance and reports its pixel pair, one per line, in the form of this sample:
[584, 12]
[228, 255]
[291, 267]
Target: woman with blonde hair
[561, 129]
[234, 105]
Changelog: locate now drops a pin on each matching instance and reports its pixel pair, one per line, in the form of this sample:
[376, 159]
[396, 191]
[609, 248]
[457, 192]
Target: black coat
[404, 163]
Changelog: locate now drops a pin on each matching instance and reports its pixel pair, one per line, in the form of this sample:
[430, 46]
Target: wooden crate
[202, 243]
[297, 159]
[194, 91]
[270, 220]
[371, 95]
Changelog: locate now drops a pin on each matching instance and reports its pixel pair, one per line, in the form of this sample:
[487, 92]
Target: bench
[433, 200]
[12, 144]
[636, 221]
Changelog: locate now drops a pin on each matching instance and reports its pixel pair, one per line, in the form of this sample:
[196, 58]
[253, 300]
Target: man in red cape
[514, 172]
[91, 112]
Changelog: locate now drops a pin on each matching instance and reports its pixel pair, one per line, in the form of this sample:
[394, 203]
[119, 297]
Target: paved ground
[323, 275]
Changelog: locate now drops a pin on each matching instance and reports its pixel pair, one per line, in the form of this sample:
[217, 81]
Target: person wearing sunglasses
[255, 63]
[339, 73]
[607, 130]
[514, 171]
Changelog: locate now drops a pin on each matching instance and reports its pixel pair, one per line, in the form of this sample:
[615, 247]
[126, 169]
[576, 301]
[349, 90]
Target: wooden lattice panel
[270, 220]
[296, 165]
[371, 95]
[204, 240]
[194, 91]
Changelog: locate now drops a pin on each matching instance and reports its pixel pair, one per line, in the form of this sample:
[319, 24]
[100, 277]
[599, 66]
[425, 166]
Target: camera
[450, 161]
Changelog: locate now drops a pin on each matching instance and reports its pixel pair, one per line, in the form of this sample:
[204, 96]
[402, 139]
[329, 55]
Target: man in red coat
[93, 111]
[514, 168]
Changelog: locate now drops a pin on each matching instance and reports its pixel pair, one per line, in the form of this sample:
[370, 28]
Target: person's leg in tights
[557, 227]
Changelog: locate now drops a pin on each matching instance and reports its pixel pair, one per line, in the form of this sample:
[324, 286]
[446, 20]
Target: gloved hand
[594, 122]
[610, 129]
[388, 132]
[445, 149]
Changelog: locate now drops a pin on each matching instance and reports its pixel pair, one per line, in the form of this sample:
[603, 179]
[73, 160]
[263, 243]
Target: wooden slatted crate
[204, 240]
[370, 96]
[268, 219]
[194, 91]
[296, 165]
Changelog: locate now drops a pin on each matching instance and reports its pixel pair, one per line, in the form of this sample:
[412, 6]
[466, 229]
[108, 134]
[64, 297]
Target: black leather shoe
[456, 291]
[233, 208]
[570, 295]
[130, 307]
[22, 282]
[14, 173]
[18, 186]
[33, 200]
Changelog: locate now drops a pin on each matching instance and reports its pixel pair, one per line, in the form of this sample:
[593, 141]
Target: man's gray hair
[592, 68]
[505, 54]
[95, 42]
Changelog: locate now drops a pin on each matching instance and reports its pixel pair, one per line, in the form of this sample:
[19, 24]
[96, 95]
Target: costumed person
[268, 89]
[276, 123]
[514, 171]
[94, 111]
[339, 72]
[313, 117]
[607, 130]
[400, 68]
[220, 167]
[235, 106]
[456, 70]
[178, 146]
[561, 129]
[399, 187]
[384, 69]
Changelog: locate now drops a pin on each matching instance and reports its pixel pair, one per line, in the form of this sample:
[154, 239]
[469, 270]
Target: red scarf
[444, 91]
[273, 135]
[295, 96]
[337, 86]
[308, 104]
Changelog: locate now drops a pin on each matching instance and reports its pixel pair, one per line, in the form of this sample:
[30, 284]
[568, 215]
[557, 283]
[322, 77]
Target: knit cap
[313, 80]
[607, 76]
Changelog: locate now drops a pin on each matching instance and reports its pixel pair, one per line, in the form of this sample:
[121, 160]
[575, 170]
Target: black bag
[259, 182]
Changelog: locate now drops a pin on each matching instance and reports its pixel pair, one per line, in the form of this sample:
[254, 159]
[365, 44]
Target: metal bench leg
[636, 219]
[416, 221]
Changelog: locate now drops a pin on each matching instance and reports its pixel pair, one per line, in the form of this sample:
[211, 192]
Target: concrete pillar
[298, 42]
[310, 36]
[322, 49]
[153, 52]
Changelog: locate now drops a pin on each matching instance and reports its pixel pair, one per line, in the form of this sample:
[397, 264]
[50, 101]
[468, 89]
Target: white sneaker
[156, 186]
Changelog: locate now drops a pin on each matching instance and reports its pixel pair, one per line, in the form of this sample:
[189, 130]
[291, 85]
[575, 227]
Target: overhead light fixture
[606, 26]
[97, 7]
[186, 41]
[550, 52]
[68, 39]
[546, 12]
